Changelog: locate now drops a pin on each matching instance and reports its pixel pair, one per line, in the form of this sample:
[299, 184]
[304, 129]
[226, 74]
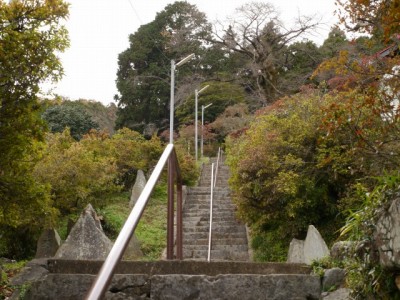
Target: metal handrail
[104, 277]
[216, 169]
[213, 184]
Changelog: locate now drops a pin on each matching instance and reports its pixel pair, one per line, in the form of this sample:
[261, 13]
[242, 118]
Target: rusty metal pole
[170, 217]
[179, 234]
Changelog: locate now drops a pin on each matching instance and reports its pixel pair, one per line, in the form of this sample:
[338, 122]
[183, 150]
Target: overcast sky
[99, 31]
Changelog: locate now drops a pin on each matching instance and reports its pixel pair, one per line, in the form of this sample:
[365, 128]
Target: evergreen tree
[143, 77]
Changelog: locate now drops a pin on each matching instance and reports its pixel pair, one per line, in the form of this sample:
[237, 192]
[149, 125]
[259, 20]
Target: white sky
[99, 31]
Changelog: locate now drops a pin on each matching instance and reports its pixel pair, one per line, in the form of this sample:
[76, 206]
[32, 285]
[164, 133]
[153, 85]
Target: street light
[172, 98]
[202, 125]
[196, 93]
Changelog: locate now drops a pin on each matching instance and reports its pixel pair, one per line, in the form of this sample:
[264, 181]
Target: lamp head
[185, 60]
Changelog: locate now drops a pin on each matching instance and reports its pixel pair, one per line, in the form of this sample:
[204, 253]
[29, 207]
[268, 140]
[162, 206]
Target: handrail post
[170, 210]
[216, 168]
[179, 222]
[211, 213]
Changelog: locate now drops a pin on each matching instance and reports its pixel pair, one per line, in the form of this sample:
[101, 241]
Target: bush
[366, 278]
[277, 185]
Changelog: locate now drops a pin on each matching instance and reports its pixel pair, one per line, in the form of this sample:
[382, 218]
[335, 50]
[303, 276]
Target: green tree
[58, 117]
[334, 43]
[301, 59]
[31, 34]
[220, 94]
[143, 77]
[233, 119]
[77, 174]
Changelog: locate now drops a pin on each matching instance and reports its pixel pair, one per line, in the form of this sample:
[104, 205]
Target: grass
[7, 271]
[151, 230]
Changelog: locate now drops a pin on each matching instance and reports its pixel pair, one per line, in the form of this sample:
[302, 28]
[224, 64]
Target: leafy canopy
[30, 36]
[143, 77]
[58, 117]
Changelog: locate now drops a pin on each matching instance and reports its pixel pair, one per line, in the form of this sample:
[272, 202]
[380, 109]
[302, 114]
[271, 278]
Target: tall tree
[30, 36]
[143, 77]
[300, 61]
[335, 42]
[256, 33]
[64, 115]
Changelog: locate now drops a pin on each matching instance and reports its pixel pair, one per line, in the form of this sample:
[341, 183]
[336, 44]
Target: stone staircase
[229, 275]
[229, 238]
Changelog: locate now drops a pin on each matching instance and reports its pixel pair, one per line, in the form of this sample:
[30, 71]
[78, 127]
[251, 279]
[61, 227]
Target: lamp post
[196, 93]
[172, 98]
[202, 126]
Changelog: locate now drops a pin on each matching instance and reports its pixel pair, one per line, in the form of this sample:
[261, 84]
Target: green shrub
[366, 278]
[277, 185]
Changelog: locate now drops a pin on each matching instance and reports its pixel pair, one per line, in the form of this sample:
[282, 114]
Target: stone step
[221, 226]
[217, 241]
[221, 174]
[218, 255]
[225, 247]
[206, 207]
[202, 226]
[177, 267]
[217, 222]
[190, 279]
[205, 194]
[206, 198]
[206, 216]
[181, 286]
[191, 209]
[220, 177]
[242, 286]
[225, 199]
[206, 190]
[203, 223]
[219, 229]
[206, 203]
[215, 235]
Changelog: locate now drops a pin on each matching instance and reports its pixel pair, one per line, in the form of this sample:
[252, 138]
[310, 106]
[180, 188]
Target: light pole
[172, 98]
[196, 93]
[202, 126]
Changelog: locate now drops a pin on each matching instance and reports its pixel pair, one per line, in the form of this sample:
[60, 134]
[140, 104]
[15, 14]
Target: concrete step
[69, 279]
[214, 246]
[205, 207]
[219, 229]
[219, 241]
[205, 190]
[217, 210]
[217, 220]
[216, 254]
[206, 216]
[181, 286]
[177, 267]
[215, 235]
